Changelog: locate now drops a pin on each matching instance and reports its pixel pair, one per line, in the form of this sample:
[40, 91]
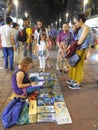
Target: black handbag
[74, 59]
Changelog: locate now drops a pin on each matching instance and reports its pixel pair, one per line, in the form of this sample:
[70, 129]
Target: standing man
[7, 40]
[28, 43]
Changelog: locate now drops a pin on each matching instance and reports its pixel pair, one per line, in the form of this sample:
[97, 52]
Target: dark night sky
[46, 10]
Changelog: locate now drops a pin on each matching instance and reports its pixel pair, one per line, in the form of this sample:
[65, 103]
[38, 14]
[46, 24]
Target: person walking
[28, 42]
[17, 44]
[7, 40]
[52, 36]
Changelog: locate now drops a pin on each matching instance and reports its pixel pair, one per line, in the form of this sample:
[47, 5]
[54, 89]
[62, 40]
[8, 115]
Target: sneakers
[70, 82]
[74, 86]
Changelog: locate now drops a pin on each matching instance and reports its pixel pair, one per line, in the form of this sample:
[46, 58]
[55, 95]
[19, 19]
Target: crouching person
[20, 79]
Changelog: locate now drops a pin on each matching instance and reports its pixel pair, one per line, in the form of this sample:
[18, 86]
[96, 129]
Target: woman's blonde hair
[25, 61]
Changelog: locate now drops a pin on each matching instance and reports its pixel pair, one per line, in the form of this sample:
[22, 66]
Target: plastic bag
[12, 112]
[24, 119]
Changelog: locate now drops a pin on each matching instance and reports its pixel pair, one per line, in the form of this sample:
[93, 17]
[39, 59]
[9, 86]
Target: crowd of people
[37, 42]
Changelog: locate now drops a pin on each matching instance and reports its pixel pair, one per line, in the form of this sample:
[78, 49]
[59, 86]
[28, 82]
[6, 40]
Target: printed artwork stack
[50, 102]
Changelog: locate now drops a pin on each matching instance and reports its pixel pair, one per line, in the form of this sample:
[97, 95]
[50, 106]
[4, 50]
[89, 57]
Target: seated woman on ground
[20, 79]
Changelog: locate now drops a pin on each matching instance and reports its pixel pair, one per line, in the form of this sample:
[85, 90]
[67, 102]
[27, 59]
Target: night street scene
[48, 64]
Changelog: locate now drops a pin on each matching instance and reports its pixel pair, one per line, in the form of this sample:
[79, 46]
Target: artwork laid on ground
[45, 104]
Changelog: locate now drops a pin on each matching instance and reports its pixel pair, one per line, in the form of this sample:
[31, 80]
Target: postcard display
[49, 105]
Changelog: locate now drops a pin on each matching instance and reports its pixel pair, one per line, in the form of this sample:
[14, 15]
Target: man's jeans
[8, 51]
[27, 52]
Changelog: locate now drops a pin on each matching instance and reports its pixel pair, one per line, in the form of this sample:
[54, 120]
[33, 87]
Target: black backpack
[22, 36]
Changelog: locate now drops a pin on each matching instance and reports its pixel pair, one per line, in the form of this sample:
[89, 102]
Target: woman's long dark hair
[42, 28]
[77, 29]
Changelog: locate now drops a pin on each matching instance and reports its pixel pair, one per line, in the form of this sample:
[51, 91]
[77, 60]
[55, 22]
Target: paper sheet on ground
[39, 83]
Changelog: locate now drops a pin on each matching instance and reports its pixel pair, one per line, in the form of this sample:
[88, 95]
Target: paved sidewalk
[82, 104]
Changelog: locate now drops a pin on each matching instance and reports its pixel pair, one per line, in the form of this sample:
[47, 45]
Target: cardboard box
[32, 111]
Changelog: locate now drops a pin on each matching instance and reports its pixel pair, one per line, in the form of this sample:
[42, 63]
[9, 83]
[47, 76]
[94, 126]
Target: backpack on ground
[22, 36]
